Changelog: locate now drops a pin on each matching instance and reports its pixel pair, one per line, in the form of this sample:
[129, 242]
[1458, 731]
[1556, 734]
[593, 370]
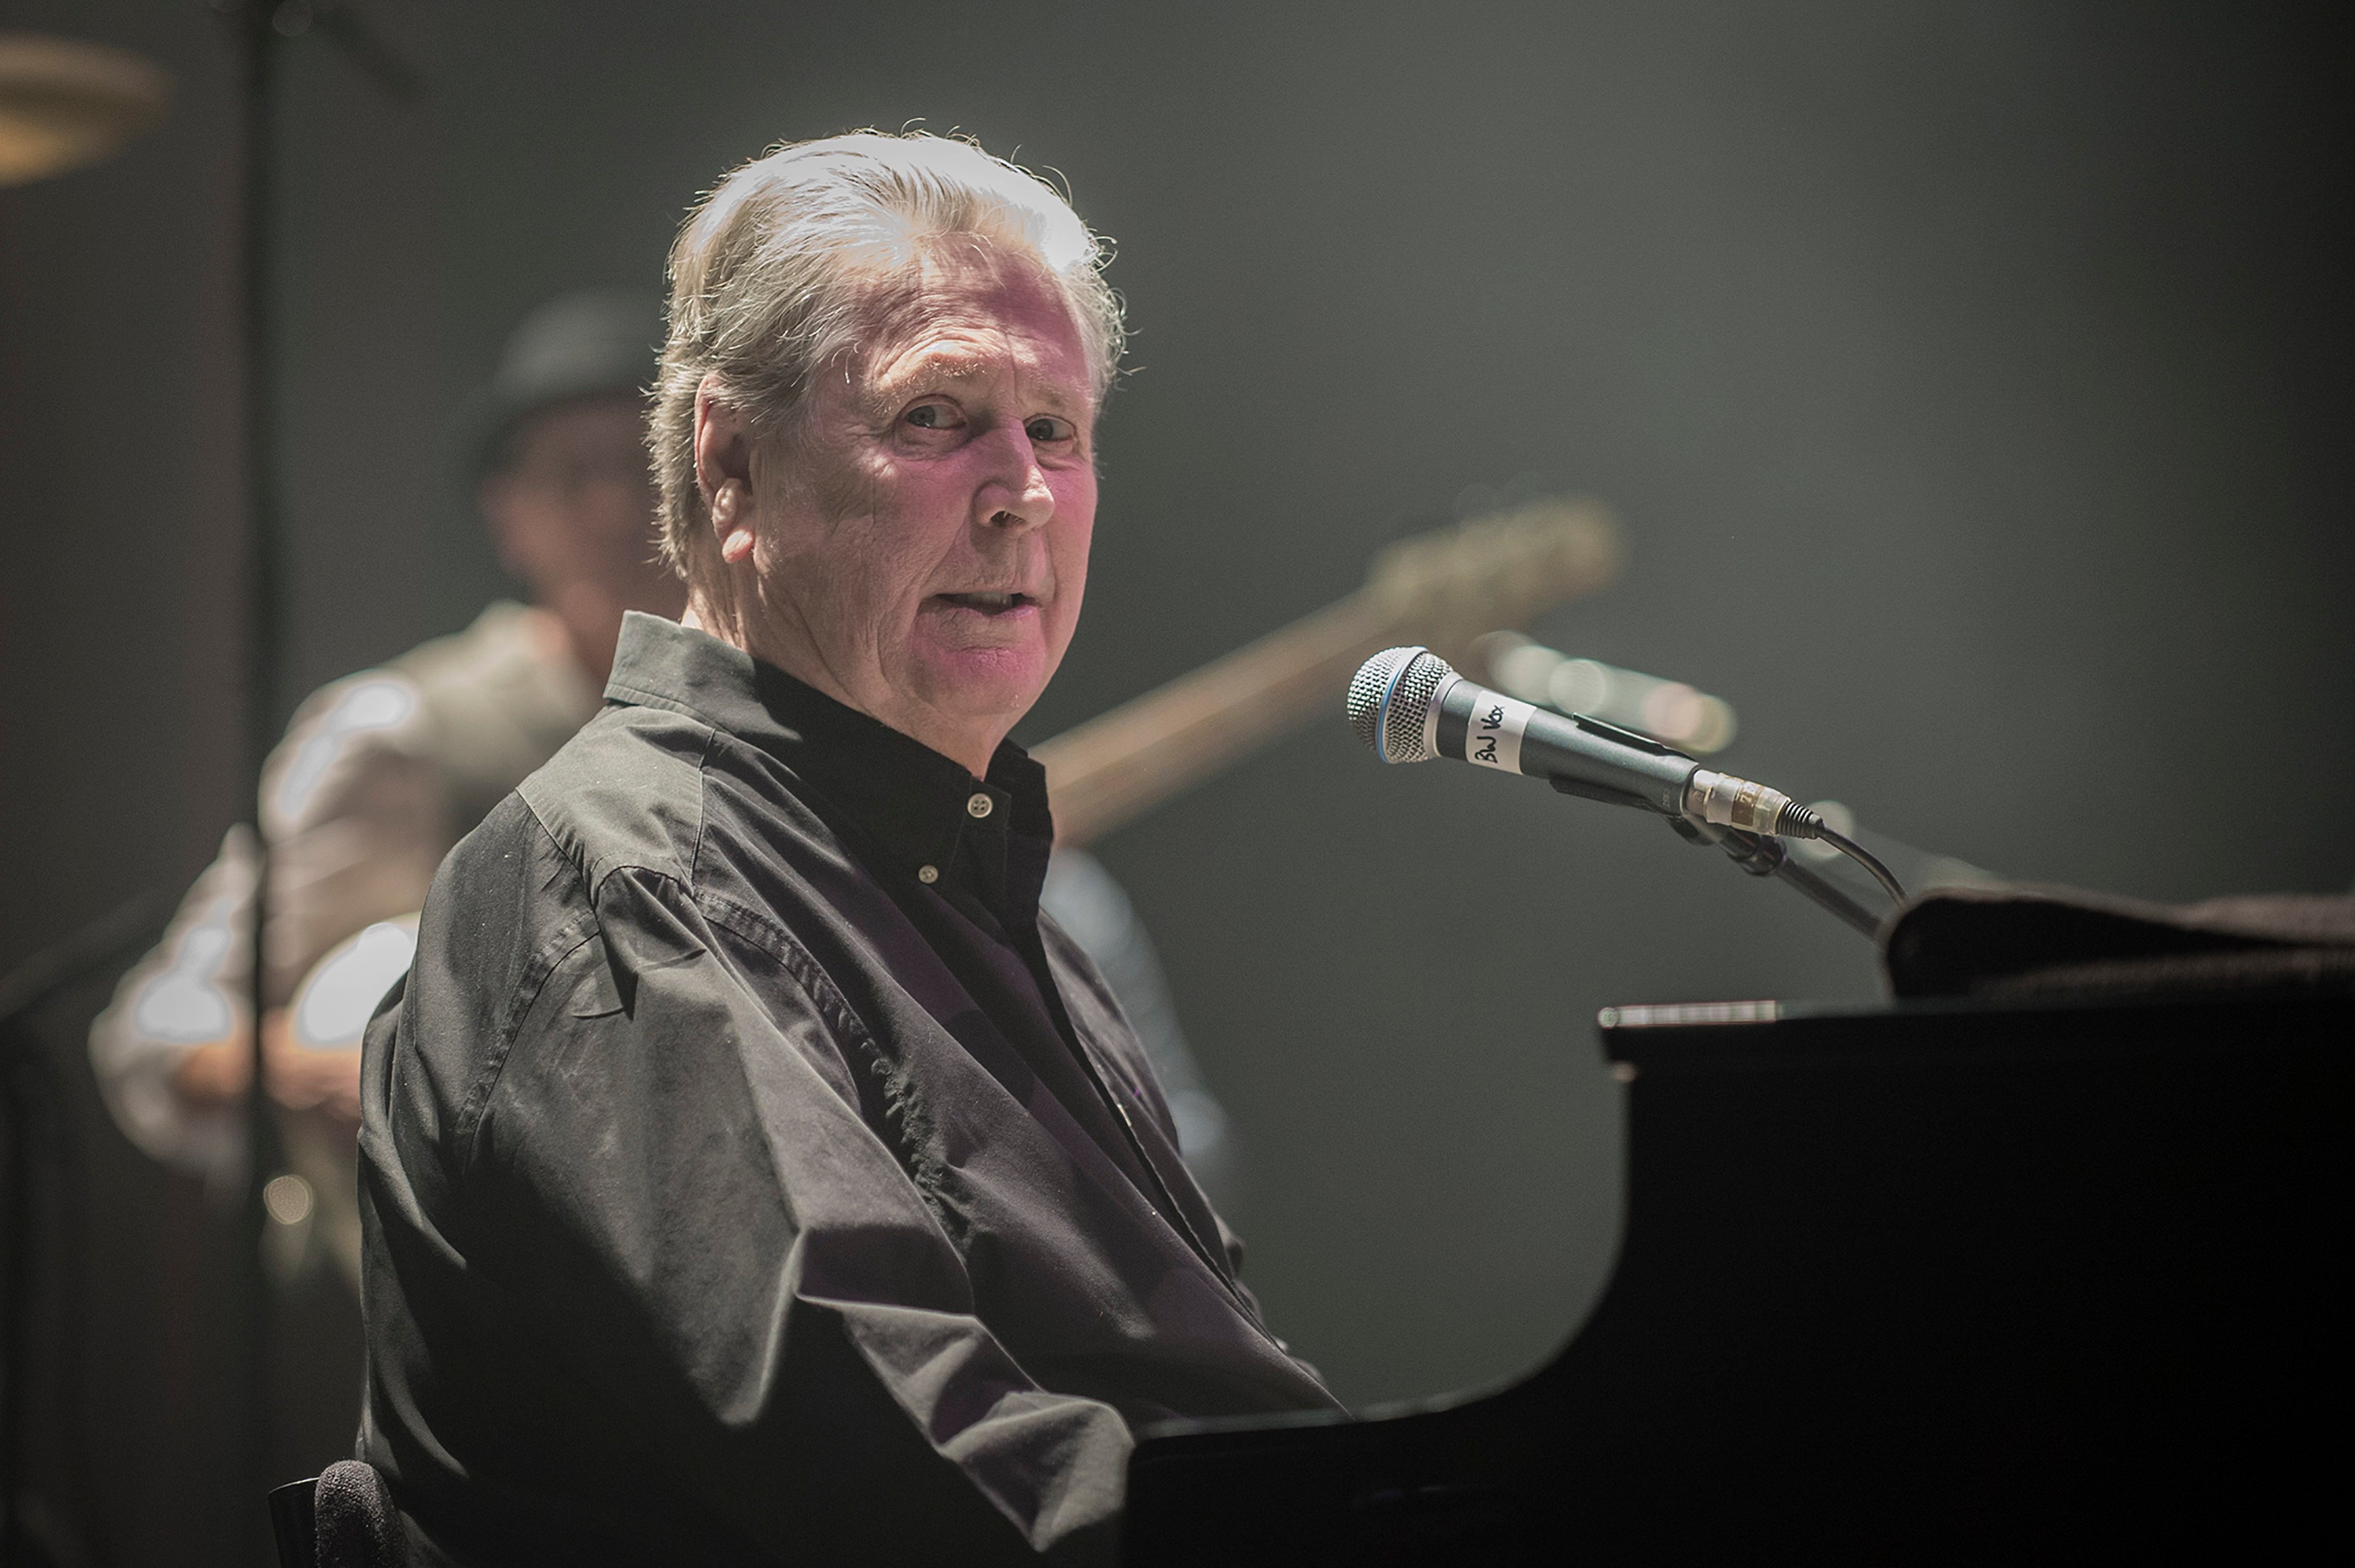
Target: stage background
[1970, 380]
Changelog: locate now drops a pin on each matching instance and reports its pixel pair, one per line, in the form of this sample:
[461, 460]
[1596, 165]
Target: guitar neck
[1440, 589]
[1120, 765]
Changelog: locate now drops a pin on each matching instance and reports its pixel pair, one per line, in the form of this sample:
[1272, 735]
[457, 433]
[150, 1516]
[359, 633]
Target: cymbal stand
[257, 30]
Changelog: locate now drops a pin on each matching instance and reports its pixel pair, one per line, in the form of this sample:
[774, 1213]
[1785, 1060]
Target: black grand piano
[1944, 1280]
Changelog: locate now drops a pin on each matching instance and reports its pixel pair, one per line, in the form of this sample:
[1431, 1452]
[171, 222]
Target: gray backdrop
[1968, 377]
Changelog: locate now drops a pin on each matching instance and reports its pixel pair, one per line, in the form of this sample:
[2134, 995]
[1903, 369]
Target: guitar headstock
[1449, 586]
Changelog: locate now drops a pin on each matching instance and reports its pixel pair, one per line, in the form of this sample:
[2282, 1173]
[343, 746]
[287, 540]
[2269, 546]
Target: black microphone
[1409, 706]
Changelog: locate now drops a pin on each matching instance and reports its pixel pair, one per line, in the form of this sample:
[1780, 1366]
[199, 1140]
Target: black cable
[1862, 857]
[111, 936]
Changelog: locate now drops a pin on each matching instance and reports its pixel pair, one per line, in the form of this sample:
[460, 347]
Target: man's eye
[1047, 427]
[932, 416]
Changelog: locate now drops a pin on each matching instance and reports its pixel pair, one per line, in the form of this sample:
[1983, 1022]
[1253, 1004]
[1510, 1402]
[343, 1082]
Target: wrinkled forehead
[970, 314]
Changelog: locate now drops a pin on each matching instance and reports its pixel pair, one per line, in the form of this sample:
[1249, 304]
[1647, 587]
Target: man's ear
[723, 470]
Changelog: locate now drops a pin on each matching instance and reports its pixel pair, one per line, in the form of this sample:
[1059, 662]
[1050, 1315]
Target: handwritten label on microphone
[1493, 738]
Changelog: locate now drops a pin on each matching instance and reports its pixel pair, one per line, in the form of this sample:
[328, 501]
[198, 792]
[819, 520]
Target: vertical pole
[252, 22]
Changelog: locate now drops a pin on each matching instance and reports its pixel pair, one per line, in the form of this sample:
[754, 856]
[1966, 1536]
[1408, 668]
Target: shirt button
[979, 804]
[928, 873]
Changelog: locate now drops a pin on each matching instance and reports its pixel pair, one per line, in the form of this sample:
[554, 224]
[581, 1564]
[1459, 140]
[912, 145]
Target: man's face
[574, 501]
[922, 545]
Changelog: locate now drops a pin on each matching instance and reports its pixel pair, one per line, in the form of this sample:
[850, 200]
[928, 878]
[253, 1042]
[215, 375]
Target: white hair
[776, 272]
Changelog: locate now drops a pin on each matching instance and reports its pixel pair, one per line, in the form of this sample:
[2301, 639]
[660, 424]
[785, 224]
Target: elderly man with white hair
[750, 1172]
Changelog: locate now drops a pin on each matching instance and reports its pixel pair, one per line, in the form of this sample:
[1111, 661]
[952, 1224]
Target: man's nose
[1014, 494]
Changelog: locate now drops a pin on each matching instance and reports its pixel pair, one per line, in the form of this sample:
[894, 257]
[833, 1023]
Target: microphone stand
[257, 30]
[1762, 855]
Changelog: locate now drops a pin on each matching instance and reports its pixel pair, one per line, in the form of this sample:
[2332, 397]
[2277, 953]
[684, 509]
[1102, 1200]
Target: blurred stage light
[1667, 710]
[288, 1199]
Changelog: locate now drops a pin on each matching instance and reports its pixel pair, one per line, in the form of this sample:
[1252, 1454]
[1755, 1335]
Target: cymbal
[64, 103]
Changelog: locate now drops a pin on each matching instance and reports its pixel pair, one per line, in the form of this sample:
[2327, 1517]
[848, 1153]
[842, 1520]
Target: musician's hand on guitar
[301, 1079]
[214, 1075]
[309, 1080]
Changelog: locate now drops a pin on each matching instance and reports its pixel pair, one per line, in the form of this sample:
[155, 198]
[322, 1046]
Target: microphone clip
[1605, 793]
[1763, 855]
[1760, 854]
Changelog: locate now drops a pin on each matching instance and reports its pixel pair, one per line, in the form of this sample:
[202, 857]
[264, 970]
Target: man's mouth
[987, 604]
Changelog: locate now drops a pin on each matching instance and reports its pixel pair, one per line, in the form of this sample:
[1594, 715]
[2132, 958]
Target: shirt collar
[928, 817]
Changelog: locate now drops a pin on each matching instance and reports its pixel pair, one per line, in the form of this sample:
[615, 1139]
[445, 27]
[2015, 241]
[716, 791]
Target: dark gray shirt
[749, 1173]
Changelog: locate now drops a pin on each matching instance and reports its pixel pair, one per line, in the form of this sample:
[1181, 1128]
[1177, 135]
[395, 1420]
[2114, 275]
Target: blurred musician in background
[750, 1172]
[382, 772]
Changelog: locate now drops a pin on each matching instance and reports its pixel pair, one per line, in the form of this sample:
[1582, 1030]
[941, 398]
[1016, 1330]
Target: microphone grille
[1389, 699]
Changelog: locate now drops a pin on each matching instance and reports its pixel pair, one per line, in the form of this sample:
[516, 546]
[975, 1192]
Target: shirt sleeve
[189, 990]
[357, 818]
[687, 1167]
